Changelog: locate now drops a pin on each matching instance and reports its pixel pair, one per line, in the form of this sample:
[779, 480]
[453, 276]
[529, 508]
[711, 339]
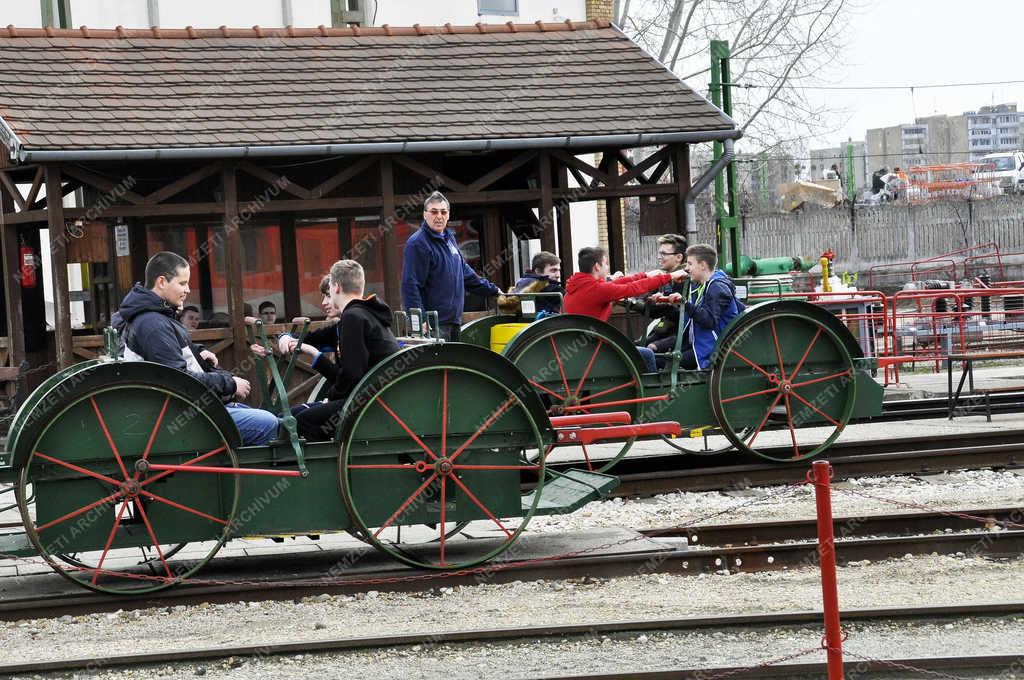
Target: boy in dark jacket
[709, 309]
[545, 276]
[366, 339]
[149, 330]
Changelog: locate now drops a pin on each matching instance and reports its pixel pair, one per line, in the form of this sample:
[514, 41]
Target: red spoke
[444, 417]
[752, 394]
[152, 436]
[792, 429]
[76, 468]
[179, 506]
[480, 505]
[822, 379]
[609, 390]
[487, 424]
[817, 410]
[110, 539]
[586, 371]
[778, 350]
[78, 512]
[152, 535]
[406, 504]
[382, 466]
[763, 421]
[405, 427]
[444, 485]
[556, 395]
[495, 467]
[766, 373]
[197, 459]
[561, 369]
[807, 352]
[113, 447]
[586, 455]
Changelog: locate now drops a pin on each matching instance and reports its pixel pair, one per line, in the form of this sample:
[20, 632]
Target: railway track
[684, 550]
[539, 632]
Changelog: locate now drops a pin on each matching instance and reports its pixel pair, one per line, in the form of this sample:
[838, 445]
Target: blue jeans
[648, 356]
[256, 426]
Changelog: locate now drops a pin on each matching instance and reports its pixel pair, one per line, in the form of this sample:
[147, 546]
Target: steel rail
[508, 634]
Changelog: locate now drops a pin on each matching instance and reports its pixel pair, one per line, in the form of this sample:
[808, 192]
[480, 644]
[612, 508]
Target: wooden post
[12, 286]
[616, 256]
[59, 267]
[681, 175]
[290, 268]
[565, 251]
[233, 256]
[389, 242]
[547, 221]
[205, 274]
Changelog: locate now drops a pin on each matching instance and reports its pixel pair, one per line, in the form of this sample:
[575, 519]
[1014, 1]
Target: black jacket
[366, 340]
[149, 330]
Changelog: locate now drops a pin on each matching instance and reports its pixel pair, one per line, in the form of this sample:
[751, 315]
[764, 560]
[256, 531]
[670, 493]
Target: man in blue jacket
[712, 304]
[435, 276]
[149, 330]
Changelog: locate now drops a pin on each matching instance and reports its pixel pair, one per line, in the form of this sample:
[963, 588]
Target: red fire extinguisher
[28, 266]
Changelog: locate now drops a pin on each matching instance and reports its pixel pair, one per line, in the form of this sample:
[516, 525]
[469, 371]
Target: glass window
[317, 246]
[508, 7]
[262, 278]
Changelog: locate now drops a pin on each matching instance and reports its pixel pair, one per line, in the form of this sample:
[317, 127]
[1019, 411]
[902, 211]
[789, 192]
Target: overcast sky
[922, 42]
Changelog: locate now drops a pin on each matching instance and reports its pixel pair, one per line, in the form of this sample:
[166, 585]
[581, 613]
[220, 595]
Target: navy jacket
[149, 331]
[709, 310]
[436, 277]
[551, 305]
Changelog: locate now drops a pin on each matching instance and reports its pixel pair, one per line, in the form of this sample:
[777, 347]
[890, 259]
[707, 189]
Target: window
[507, 7]
[915, 131]
[983, 131]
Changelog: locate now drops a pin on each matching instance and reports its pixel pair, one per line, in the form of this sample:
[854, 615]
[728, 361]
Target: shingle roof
[160, 89]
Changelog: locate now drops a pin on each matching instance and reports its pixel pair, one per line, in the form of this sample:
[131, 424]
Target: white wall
[22, 13]
[464, 12]
[109, 13]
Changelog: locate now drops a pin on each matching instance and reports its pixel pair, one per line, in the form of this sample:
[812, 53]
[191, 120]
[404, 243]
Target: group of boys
[435, 277]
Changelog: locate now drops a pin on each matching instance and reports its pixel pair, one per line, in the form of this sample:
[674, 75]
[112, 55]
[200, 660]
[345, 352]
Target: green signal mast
[727, 203]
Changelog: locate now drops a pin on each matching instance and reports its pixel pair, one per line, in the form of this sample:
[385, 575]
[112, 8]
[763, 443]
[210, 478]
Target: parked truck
[1006, 169]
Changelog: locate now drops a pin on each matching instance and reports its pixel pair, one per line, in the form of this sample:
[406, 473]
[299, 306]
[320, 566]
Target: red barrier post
[827, 559]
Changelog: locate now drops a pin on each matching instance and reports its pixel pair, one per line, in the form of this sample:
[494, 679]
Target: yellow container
[503, 332]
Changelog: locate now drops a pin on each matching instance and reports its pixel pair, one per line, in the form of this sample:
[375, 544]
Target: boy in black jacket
[366, 339]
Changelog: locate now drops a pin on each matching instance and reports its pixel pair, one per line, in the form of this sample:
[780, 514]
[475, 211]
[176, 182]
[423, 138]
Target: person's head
[167, 275]
[593, 261]
[834, 167]
[347, 283]
[220, 320]
[268, 311]
[547, 264]
[701, 260]
[435, 211]
[325, 298]
[671, 252]
[190, 317]
[247, 309]
[896, 170]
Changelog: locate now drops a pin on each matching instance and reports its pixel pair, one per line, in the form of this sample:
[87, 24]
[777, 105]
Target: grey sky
[919, 42]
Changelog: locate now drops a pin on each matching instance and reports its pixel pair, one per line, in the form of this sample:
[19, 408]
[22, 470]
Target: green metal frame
[727, 206]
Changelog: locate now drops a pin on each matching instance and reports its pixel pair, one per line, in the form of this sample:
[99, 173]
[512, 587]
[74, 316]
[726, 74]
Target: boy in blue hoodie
[710, 307]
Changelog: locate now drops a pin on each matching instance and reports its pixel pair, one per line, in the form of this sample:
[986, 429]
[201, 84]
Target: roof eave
[9, 139]
[583, 142]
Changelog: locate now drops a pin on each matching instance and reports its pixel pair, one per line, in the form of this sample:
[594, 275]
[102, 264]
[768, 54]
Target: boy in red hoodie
[589, 293]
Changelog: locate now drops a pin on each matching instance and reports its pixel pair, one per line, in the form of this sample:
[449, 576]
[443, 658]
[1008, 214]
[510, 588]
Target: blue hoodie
[149, 331]
[709, 310]
[436, 277]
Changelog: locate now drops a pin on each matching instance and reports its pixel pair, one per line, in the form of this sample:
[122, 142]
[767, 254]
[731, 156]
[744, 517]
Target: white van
[1007, 170]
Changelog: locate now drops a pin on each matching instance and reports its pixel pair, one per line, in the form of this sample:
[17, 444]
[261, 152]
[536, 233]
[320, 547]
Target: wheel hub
[444, 467]
[131, 488]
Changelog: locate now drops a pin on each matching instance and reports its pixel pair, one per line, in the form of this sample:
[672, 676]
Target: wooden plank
[9, 247]
[392, 274]
[343, 176]
[138, 250]
[37, 184]
[283, 182]
[599, 173]
[547, 203]
[681, 175]
[12, 190]
[637, 171]
[428, 172]
[501, 171]
[179, 185]
[70, 185]
[616, 253]
[59, 269]
[103, 184]
[290, 268]
[205, 275]
[563, 212]
[233, 255]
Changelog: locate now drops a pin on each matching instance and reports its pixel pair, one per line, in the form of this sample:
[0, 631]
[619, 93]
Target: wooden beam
[547, 203]
[659, 171]
[119, 190]
[233, 255]
[59, 270]
[69, 186]
[578, 176]
[563, 213]
[283, 182]
[179, 185]
[12, 190]
[138, 250]
[598, 173]
[205, 274]
[343, 176]
[501, 171]
[636, 171]
[616, 254]
[428, 172]
[681, 175]
[12, 287]
[389, 242]
[37, 183]
[290, 268]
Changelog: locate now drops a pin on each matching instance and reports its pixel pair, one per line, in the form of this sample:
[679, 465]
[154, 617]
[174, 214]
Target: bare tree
[778, 48]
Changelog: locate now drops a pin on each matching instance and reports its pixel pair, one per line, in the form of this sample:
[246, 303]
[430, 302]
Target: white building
[991, 129]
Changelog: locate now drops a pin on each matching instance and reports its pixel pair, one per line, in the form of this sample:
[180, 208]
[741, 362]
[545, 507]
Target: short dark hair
[165, 264]
[246, 309]
[589, 257]
[325, 285]
[702, 252]
[191, 308]
[677, 241]
[267, 304]
[543, 259]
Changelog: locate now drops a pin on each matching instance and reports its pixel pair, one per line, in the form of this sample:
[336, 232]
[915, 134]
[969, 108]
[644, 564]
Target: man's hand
[242, 387]
[617, 275]
[679, 274]
[210, 357]
[287, 344]
[654, 272]
[673, 298]
[258, 350]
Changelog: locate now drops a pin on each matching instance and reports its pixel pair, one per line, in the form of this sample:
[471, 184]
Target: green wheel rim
[571, 373]
[361, 482]
[110, 499]
[788, 371]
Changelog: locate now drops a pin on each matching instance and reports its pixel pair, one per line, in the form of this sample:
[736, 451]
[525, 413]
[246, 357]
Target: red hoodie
[586, 295]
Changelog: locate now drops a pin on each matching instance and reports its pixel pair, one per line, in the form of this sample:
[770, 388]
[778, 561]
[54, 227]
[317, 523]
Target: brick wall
[599, 9]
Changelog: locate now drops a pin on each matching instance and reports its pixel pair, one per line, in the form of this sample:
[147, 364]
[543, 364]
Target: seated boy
[150, 331]
[366, 339]
[545, 276]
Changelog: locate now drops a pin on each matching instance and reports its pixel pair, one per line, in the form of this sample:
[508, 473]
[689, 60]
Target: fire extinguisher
[28, 265]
